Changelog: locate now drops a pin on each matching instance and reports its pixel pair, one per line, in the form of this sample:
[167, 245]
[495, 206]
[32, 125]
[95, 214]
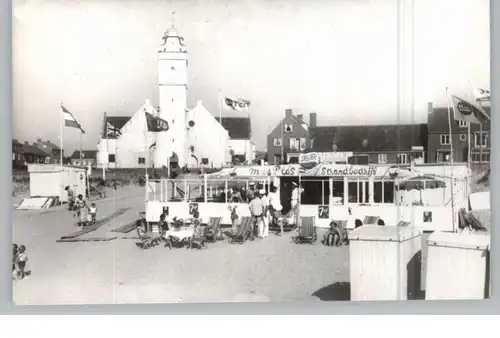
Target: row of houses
[46, 152]
[372, 144]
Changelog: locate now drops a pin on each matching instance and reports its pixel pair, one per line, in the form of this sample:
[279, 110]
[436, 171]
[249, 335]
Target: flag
[112, 130]
[482, 94]
[69, 120]
[156, 124]
[236, 104]
[468, 112]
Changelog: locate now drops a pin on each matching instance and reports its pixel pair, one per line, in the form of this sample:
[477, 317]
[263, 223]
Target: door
[286, 188]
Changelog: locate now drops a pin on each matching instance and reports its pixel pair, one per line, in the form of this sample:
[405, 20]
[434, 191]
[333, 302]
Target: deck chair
[147, 239]
[244, 231]
[307, 231]
[213, 232]
[198, 239]
[371, 220]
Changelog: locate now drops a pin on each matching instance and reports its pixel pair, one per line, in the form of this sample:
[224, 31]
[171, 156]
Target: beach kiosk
[330, 191]
[47, 182]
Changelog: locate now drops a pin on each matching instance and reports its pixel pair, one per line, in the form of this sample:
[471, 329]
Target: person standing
[234, 216]
[81, 210]
[257, 211]
[71, 198]
[265, 220]
[275, 208]
[295, 200]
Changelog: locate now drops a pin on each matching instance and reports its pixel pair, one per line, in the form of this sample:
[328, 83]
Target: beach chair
[147, 239]
[198, 239]
[213, 232]
[244, 231]
[307, 231]
[371, 220]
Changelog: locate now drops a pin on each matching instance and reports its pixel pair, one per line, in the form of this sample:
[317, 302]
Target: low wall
[426, 218]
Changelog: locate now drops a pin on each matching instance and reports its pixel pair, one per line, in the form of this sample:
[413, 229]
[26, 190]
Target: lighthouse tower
[172, 76]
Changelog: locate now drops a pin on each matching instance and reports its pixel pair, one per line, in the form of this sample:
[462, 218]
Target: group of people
[265, 209]
[86, 214]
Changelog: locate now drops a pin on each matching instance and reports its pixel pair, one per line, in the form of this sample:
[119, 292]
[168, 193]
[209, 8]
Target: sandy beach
[118, 271]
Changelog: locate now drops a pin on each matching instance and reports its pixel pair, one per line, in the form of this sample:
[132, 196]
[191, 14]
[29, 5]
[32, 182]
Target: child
[93, 213]
[15, 253]
[21, 260]
[332, 236]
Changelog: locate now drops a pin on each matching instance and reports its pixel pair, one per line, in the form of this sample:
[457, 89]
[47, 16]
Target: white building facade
[194, 135]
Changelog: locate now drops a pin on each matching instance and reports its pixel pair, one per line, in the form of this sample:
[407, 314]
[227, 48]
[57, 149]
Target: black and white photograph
[188, 151]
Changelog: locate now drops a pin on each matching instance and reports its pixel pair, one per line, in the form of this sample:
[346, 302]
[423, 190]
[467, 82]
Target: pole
[451, 161]
[282, 141]
[61, 118]
[107, 151]
[81, 148]
[220, 121]
[480, 136]
[146, 155]
[468, 134]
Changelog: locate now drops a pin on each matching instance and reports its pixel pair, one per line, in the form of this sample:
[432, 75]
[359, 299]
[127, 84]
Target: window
[141, 160]
[402, 159]
[445, 139]
[111, 158]
[443, 156]
[277, 142]
[481, 142]
[316, 192]
[463, 137]
[462, 124]
[302, 144]
[295, 143]
[287, 128]
[382, 158]
[477, 157]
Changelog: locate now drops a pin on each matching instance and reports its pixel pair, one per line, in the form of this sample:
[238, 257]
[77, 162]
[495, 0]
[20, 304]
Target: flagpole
[451, 160]
[61, 118]
[469, 135]
[107, 152]
[282, 142]
[146, 155]
[220, 119]
[480, 136]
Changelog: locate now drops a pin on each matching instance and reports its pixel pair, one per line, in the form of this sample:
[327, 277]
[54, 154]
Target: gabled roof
[369, 138]
[438, 120]
[51, 145]
[239, 128]
[116, 122]
[32, 150]
[87, 154]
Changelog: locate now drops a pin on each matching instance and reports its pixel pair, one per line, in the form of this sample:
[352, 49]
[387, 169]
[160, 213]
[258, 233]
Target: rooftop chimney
[429, 107]
[39, 140]
[300, 117]
[312, 120]
[26, 142]
[288, 112]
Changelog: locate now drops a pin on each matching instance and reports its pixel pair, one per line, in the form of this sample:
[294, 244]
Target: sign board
[335, 170]
[165, 210]
[324, 157]
[193, 207]
[427, 217]
[323, 212]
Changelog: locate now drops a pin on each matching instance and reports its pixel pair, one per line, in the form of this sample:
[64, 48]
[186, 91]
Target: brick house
[25, 153]
[373, 144]
[50, 148]
[439, 141]
[289, 138]
[88, 157]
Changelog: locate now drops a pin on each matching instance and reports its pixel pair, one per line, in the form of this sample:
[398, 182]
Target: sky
[344, 60]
